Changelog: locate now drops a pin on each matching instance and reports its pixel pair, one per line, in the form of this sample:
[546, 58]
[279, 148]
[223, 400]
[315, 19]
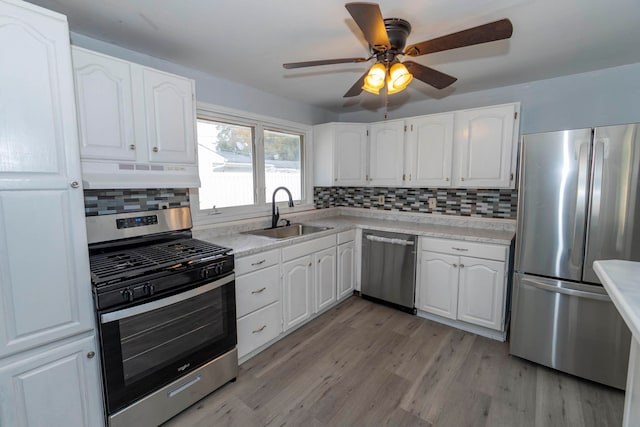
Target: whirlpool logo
[184, 367]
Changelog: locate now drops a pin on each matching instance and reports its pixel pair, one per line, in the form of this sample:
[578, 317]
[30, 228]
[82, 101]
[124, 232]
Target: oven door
[149, 345]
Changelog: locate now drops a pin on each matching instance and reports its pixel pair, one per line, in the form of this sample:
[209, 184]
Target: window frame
[262, 203]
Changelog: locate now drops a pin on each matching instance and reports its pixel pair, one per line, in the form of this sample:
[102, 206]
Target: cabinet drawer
[346, 236]
[461, 247]
[306, 248]
[258, 328]
[255, 262]
[257, 289]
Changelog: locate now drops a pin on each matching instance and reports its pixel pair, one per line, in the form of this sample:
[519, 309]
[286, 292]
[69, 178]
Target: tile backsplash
[107, 202]
[486, 203]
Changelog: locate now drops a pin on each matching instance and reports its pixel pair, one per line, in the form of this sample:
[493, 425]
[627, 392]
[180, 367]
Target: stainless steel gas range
[166, 315]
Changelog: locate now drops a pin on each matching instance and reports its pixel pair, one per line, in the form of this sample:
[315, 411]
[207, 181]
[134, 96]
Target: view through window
[230, 170]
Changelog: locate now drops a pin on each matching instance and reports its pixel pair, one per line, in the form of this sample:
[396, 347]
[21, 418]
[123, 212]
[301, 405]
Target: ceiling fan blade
[357, 87]
[369, 19]
[492, 31]
[428, 75]
[292, 65]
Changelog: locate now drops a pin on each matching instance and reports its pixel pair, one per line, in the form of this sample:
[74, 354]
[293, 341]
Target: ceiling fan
[387, 38]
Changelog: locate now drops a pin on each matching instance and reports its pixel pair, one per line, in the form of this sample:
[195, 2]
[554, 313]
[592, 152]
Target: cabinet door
[481, 292]
[105, 106]
[429, 151]
[346, 269]
[59, 387]
[485, 139]
[439, 284]
[170, 117]
[297, 279]
[386, 155]
[45, 287]
[325, 278]
[350, 154]
[38, 133]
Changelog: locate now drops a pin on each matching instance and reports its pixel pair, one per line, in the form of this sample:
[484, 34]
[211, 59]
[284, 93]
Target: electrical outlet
[381, 200]
[163, 205]
[433, 203]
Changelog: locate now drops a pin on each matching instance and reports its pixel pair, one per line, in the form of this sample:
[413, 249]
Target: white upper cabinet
[105, 106]
[484, 140]
[429, 150]
[340, 154]
[38, 135]
[170, 117]
[137, 124]
[386, 153]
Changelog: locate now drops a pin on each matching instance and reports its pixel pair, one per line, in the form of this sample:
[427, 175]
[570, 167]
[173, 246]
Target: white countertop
[621, 279]
[247, 244]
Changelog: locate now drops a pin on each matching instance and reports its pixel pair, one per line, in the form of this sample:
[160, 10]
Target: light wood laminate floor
[363, 364]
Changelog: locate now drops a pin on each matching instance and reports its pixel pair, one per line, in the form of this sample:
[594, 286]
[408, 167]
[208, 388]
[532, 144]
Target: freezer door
[553, 199]
[614, 216]
[571, 327]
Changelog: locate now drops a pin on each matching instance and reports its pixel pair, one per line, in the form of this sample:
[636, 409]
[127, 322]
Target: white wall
[603, 97]
[218, 91]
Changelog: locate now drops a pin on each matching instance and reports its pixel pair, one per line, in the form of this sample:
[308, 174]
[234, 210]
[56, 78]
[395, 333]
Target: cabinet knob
[447, 179]
[461, 265]
[461, 178]
[335, 179]
[91, 355]
[455, 265]
[132, 147]
[155, 149]
[75, 184]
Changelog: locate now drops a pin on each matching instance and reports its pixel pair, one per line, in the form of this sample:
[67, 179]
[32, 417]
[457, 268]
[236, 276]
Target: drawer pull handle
[460, 249]
[259, 330]
[258, 291]
[259, 262]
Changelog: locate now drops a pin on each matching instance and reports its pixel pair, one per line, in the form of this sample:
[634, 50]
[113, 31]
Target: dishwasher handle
[391, 241]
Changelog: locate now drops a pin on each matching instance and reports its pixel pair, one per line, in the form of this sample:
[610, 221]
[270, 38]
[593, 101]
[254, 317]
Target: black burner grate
[130, 262]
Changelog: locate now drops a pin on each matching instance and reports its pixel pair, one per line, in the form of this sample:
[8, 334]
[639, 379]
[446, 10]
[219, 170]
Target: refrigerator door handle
[566, 291]
[596, 191]
[581, 205]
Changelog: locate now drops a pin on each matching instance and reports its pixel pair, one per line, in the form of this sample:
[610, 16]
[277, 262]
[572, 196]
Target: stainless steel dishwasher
[389, 268]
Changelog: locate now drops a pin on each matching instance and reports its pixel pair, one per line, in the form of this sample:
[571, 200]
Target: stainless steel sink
[288, 231]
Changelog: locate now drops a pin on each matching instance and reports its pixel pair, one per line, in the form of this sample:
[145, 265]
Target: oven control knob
[218, 268]
[149, 289]
[204, 273]
[127, 294]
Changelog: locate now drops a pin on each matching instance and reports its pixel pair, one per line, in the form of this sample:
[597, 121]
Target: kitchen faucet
[275, 213]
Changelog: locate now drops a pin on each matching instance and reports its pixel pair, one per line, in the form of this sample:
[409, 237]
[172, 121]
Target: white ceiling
[247, 41]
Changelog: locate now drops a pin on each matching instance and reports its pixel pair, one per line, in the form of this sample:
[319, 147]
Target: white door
[386, 155]
[346, 269]
[45, 285]
[439, 284]
[429, 151]
[297, 279]
[59, 387]
[105, 106]
[170, 117]
[481, 292]
[350, 154]
[325, 278]
[485, 139]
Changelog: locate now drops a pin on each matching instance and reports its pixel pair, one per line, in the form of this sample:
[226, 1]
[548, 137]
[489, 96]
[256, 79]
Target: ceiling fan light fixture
[375, 79]
[399, 78]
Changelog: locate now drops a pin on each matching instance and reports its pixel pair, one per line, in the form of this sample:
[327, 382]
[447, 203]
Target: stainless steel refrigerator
[579, 201]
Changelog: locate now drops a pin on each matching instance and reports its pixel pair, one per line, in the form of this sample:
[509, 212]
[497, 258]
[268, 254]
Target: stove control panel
[136, 221]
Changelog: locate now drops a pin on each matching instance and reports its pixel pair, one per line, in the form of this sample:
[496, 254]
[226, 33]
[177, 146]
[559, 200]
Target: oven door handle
[164, 302]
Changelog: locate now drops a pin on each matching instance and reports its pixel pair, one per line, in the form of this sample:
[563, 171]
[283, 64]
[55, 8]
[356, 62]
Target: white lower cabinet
[258, 308]
[56, 387]
[325, 278]
[346, 273]
[297, 276]
[469, 288]
[258, 328]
